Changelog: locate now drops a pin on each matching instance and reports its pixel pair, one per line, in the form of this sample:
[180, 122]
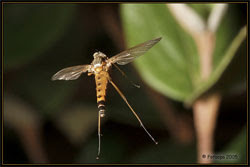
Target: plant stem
[205, 112]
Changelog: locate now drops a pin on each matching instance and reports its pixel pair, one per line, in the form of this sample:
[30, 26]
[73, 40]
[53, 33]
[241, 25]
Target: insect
[100, 67]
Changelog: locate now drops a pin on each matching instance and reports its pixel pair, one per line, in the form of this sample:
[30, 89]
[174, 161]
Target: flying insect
[100, 68]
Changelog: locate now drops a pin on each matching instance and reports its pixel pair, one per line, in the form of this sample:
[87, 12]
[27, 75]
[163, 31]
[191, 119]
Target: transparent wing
[70, 73]
[129, 55]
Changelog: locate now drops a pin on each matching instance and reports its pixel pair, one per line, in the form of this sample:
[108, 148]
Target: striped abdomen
[101, 80]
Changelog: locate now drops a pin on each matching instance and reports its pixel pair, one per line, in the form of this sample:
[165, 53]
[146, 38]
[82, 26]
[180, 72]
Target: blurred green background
[56, 122]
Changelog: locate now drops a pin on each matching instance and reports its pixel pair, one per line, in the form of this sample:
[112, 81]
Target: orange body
[101, 80]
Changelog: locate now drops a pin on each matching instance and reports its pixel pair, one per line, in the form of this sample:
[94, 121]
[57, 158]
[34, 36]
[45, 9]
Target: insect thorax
[99, 62]
[99, 57]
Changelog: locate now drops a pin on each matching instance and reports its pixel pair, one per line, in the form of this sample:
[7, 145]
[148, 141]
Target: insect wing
[129, 55]
[71, 73]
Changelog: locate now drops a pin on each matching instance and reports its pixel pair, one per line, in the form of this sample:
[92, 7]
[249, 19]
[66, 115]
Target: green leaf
[30, 29]
[164, 67]
[202, 9]
[172, 66]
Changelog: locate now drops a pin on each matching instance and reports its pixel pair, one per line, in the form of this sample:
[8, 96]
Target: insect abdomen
[101, 86]
[101, 107]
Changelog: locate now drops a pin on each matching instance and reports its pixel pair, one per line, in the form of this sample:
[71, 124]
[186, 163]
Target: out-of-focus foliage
[174, 154]
[14, 105]
[172, 67]
[236, 151]
[114, 149]
[202, 9]
[82, 117]
[164, 66]
[29, 31]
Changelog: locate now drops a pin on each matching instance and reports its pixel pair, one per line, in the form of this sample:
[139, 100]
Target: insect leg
[99, 134]
[124, 98]
[123, 73]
